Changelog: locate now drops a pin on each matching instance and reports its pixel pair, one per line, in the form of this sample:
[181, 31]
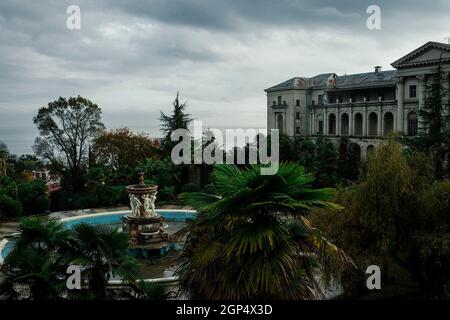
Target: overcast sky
[131, 57]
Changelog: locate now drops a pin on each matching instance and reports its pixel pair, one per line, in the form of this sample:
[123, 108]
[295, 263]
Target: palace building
[363, 107]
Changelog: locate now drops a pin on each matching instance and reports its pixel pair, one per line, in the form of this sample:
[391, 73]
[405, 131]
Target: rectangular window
[297, 103]
[320, 127]
[279, 100]
[297, 130]
[320, 97]
[297, 115]
[412, 91]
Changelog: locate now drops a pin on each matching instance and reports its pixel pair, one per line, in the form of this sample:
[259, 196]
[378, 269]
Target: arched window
[373, 124]
[358, 124]
[412, 123]
[388, 122]
[280, 123]
[344, 124]
[332, 124]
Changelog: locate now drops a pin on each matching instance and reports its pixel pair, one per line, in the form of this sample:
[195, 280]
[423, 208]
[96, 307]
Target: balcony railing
[279, 105]
[361, 103]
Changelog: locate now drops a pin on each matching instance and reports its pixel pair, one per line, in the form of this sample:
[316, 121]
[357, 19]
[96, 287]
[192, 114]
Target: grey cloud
[232, 15]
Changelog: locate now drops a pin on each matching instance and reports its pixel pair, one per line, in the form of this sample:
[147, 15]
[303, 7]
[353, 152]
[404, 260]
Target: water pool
[152, 267]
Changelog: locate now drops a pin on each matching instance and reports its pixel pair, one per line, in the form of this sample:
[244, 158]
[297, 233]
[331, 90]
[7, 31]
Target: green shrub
[33, 196]
[190, 187]
[119, 195]
[82, 201]
[209, 188]
[166, 193]
[10, 208]
[57, 201]
[42, 204]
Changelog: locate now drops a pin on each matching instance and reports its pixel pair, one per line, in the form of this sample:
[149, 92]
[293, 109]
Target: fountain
[145, 226]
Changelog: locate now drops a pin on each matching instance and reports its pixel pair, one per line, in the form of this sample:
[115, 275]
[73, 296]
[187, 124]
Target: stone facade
[363, 107]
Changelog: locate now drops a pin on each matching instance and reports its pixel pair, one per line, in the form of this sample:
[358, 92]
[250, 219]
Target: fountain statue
[145, 226]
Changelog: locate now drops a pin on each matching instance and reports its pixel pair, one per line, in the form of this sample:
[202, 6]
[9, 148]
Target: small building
[53, 181]
[41, 174]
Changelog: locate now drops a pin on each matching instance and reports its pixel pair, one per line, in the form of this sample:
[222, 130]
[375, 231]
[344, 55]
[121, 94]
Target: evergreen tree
[4, 153]
[434, 135]
[169, 123]
[349, 160]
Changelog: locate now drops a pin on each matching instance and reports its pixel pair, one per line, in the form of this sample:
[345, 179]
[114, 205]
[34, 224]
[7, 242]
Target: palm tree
[103, 253]
[30, 274]
[42, 233]
[44, 248]
[152, 291]
[36, 266]
[243, 245]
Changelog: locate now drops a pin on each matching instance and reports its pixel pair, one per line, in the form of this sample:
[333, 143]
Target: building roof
[294, 83]
[408, 60]
[358, 80]
[367, 79]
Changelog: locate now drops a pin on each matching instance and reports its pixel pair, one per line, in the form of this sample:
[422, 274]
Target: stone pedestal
[145, 230]
[144, 225]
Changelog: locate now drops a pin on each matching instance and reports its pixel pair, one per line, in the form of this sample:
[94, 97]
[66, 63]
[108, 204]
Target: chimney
[377, 69]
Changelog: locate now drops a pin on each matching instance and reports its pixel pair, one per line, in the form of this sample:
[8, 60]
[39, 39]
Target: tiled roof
[294, 83]
[366, 79]
[347, 81]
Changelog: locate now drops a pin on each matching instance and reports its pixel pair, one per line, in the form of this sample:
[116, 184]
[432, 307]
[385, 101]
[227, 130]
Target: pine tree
[169, 123]
[434, 136]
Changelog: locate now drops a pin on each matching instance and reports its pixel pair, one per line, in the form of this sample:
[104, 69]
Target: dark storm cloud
[132, 56]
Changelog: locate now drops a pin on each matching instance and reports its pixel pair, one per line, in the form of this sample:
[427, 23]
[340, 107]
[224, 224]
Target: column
[400, 96]
[380, 121]
[421, 90]
[351, 120]
[325, 122]
[365, 129]
[338, 122]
